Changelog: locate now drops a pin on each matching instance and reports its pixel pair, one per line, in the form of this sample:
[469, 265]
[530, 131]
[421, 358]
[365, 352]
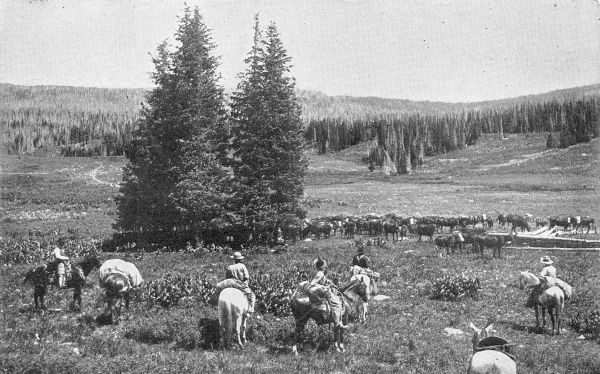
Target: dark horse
[41, 279]
[117, 289]
[303, 310]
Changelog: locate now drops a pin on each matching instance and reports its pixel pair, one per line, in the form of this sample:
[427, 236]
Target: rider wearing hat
[237, 276]
[547, 278]
[548, 273]
[364, 264]
[335, 301]
[59, 261]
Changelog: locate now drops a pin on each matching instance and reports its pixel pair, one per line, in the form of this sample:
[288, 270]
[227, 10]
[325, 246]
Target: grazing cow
[489, 223]
[586, 222]
[450, 222]
[520, 222]
[390, 228]
[501, 220]
[427, 230]
[494, 242]
[444, 242]
[564, 222]
[404, 232]
[349, 228]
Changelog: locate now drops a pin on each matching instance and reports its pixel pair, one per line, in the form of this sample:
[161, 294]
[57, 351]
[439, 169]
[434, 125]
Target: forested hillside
[80, 121]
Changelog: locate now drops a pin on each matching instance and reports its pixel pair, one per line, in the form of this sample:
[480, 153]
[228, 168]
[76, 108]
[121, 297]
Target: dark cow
[501, 220]
[480, 242]
[586, 222]
[564, 222]
[349, 229]
[520, 222]
[427, 230]
[404, 232]
[390, 228]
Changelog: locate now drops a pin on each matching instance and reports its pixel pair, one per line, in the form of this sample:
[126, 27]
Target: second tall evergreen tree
[269, 164]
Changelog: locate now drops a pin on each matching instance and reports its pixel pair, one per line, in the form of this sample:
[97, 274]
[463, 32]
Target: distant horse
[552, 298]
[491, 355]
[303, 310]
[40, 277]
[233, 313]
[117, 289]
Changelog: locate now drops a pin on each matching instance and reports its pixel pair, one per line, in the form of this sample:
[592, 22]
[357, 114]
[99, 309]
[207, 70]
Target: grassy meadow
[405, 334]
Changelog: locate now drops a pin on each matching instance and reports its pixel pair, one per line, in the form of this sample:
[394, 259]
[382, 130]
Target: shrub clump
[587, 323]
[455, 288]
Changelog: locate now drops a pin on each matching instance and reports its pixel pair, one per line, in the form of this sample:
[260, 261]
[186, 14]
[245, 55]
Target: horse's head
[527, 279]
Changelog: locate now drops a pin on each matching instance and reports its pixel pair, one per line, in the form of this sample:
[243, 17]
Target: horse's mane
[529, 279]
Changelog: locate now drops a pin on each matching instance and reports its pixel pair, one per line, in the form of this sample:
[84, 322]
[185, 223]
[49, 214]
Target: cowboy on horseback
[237, 276]
[361, 263]
[60, 264]
[330, 292]
[547, 278]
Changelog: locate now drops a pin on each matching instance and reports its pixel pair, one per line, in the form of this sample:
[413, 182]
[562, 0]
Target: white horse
[233, 312]
[552, 298]
[490, 354]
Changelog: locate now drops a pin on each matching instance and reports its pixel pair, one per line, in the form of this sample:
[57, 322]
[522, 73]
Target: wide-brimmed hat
[546, 260]
[237, 256]
[320, 263]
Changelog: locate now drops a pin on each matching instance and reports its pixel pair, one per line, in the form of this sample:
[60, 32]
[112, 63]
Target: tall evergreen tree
[268, 159]
[177, 151]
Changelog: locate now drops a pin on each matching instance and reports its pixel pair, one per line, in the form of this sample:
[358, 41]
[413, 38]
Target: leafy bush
[172, 288]
[455, 288]
[13, 252]
[587, 323]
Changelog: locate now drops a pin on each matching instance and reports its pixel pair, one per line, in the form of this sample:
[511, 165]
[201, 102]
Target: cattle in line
[404, 232]
[349, 227]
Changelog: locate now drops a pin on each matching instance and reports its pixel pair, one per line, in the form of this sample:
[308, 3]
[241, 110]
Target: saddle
[494, 343]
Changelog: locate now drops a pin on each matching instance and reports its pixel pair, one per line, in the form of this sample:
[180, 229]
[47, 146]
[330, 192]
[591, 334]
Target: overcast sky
[420, 50]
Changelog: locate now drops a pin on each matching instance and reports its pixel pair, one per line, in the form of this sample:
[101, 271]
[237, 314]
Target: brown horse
[41, 279]
[303, 310]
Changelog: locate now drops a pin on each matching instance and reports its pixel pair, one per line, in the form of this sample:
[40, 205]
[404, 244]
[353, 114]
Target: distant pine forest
[80, 121]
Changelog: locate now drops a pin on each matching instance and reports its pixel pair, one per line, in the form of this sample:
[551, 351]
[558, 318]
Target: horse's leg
[543, 317]
[243, 328]
[300, 324]
[238, 329]
[36, 297]
[42, 294]
[77, 298]
[537, 315]
[552, 319]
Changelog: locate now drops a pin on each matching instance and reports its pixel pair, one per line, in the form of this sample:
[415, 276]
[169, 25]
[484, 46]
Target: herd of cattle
[463, 230]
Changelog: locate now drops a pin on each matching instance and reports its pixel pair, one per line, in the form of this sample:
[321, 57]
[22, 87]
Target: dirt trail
[93, 174]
